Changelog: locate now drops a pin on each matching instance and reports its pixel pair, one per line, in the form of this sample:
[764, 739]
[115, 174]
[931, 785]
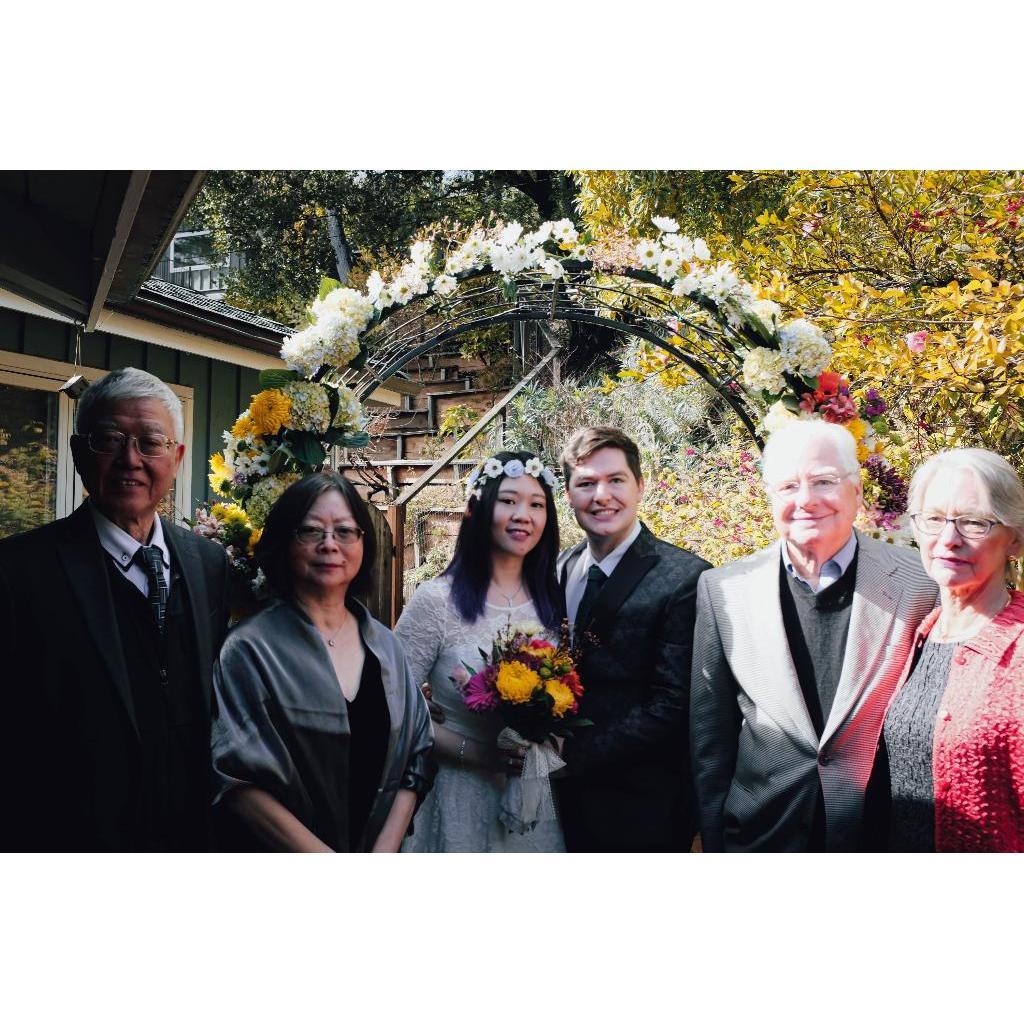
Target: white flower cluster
[513, 469]
[310, 407]
[777, 416]
[804, 348]
[333, 338]
[350, 414]
[246, 456]
[762, 371]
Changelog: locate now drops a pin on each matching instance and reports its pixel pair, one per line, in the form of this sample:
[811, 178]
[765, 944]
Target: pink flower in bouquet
[479, 692]
[917, 341]
[839, 409]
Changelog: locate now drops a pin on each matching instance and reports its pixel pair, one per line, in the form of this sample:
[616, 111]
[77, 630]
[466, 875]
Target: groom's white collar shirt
[576, 581]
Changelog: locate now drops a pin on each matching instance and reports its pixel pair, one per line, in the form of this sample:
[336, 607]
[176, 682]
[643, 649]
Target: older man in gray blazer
[797, 650]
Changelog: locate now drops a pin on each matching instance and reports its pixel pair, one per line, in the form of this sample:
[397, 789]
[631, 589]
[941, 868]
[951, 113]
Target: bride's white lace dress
[460, 813]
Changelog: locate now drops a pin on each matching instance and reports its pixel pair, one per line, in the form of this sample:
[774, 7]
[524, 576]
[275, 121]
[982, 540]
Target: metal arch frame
[539, 299]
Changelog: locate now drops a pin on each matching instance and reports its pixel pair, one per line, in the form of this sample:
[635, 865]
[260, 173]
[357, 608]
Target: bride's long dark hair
[470, 567]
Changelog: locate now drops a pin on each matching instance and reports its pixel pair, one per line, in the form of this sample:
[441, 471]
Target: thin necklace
[330, 639]
[502, 593]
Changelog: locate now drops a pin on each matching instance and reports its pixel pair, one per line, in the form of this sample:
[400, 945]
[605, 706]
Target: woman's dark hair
[286, 517]
[470, 568]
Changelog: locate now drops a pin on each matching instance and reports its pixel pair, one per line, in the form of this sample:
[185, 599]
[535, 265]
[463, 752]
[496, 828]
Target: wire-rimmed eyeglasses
[150, 445]
[969, 527]
[344, 535]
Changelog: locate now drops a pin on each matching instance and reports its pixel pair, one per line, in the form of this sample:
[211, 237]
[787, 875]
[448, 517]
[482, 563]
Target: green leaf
[327, 285]
[880, 426]
[277, 460]
[306, 447]
[791, 402]
[276, 378]
[332, 403]
[359, 361]
[509, 290]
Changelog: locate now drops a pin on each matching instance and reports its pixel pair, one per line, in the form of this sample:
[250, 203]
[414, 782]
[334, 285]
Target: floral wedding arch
[666, 289]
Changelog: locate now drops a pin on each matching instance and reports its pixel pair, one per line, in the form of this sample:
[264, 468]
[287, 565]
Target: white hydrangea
[350, 415]
[264, 494]
[350, 304]
[804, 349]
[766, 313]
[310, 407]
[777, 416]
[304, 351]
[762, 371]
[340, 336]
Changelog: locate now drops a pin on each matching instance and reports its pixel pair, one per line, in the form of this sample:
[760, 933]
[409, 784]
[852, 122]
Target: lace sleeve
[421, 628]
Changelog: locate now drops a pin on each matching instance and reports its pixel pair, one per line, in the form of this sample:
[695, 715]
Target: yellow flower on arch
[220, 475]
[269, 411]
[243, 426]
[516, 682]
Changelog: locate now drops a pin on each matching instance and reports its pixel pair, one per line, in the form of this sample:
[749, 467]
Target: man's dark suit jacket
[628, 786]
[69, 742]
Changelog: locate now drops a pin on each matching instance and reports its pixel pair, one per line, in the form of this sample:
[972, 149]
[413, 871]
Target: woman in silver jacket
[321, 741]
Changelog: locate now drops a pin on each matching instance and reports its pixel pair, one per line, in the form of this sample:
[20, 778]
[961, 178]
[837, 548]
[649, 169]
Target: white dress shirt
[122, 546]
[830, 571]
[576, 581]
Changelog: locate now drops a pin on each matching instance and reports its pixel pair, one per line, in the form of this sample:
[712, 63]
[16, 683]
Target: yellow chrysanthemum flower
[243, 426]
[228, 512]
[219, 473]
[562, 696]
[269, 411]
[254, 539]
[857, 427]
[516, 682]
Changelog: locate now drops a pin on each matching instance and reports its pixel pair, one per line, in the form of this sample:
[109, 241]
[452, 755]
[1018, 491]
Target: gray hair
[119, 385]
[992, 471]
[790, 437]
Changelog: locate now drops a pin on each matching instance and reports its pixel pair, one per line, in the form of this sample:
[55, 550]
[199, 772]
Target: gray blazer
[755, 753]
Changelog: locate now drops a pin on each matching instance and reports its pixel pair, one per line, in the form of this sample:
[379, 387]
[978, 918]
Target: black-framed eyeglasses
[969, 527]
[151, 445]
[344, 535]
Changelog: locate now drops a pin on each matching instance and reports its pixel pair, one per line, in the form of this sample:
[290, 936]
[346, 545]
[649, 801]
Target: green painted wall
[220, 390]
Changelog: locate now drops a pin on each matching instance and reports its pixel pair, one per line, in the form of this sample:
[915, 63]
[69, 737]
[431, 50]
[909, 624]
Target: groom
[632, 601]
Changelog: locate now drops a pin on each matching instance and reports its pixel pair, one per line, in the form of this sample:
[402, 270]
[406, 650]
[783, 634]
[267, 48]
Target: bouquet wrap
[527, 799]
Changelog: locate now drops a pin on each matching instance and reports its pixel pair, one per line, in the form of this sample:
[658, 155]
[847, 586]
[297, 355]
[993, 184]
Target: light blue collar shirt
[830, 571]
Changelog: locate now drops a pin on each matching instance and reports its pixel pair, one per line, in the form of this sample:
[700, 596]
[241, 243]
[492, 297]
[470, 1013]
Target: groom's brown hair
[588, 440]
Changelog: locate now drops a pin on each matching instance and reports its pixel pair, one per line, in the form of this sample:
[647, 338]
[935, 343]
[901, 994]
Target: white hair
[120, 385]
[792, 437]
[998, 478]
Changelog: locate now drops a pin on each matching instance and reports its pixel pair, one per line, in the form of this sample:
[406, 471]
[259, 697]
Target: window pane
[28, 458]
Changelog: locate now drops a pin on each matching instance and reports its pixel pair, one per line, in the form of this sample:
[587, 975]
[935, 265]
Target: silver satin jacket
[280, 721]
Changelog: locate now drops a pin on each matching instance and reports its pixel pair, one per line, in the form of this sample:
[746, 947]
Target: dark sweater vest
[172, 796]
[817, 626]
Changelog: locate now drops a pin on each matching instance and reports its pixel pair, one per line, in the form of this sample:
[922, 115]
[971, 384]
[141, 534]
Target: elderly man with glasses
[110, 621]
[797, 650]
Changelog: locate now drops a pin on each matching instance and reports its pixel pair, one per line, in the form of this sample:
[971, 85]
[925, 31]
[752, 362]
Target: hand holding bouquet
[533, 685]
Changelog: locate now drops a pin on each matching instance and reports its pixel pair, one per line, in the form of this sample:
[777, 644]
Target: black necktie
[596, 579]
[152, 561]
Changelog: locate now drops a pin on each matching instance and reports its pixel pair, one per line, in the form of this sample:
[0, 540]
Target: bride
[503, 571]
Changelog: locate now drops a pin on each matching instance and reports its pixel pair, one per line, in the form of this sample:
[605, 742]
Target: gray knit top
[909, 739]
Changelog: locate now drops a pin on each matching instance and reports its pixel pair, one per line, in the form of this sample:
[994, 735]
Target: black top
[909, 736]
[370, 723]
[172, 797]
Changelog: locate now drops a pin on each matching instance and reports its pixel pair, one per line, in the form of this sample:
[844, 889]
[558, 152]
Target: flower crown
[493, 468]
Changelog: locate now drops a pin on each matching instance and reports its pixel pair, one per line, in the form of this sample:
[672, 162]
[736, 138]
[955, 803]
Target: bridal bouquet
[533, 685]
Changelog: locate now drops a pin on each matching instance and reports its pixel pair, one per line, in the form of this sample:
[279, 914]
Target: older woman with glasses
[321, 740]
[953, 739]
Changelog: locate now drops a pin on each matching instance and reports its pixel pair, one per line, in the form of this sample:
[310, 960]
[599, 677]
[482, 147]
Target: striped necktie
[151, 559]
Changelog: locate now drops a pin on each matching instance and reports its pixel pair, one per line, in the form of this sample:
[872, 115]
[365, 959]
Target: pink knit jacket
[978, 758]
